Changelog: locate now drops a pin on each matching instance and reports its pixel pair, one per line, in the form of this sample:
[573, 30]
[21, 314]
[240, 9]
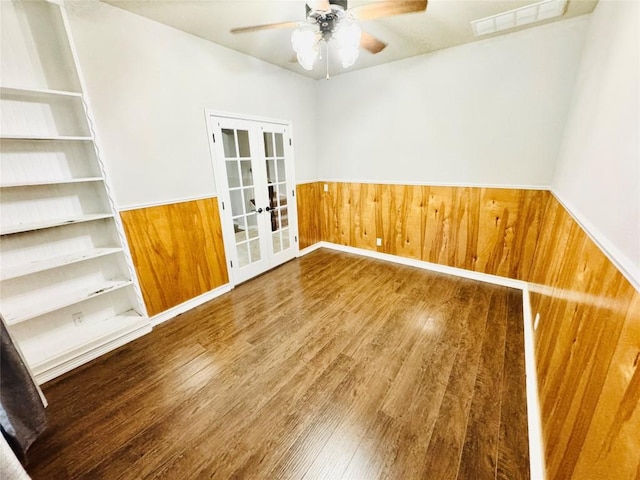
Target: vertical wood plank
[402, 209]
[336, 225]
[498, 213]
[362, 215]
[586, 360]
[531, 208]
[308, 198]
[612, 443]
[451, 232]
[177, 250]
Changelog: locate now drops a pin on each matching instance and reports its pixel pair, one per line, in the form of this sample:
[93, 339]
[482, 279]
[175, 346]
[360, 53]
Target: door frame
[228, 234]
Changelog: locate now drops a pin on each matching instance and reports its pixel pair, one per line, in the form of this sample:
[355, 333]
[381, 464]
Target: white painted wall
[487, 113]
[598, 171]
[149, 85]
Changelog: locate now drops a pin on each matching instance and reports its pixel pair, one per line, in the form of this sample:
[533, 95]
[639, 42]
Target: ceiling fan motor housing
[327, 21]
[340, 3]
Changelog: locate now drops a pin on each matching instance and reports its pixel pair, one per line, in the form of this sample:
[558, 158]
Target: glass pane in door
[279, 145]
[229, 143]
[241, 194]
[278, 187]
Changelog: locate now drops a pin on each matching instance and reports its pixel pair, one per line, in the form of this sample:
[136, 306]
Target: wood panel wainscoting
[587, 349]
[489, 230]
[177, 250]
[587, 345]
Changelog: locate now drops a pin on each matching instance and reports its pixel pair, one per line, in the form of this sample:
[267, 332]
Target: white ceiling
[445, 23]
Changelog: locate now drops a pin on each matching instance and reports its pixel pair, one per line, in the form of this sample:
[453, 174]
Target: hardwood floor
[332, 366]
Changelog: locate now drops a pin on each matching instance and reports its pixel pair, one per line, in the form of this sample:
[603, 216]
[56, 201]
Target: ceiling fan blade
[388, 8]
[371, 43]
[255, 28]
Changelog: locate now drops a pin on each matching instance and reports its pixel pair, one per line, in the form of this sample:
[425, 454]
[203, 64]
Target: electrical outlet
[326, 187]
[379, 242]
[78, 318]
[536, 322]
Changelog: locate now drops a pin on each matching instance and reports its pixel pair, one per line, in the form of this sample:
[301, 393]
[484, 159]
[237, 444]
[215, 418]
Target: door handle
[268, 209]
[259, 210]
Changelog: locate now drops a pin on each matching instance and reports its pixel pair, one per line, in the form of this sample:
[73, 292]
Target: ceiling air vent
[535, 12]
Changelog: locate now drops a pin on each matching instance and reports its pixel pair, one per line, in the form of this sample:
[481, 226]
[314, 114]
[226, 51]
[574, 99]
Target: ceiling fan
[327, 20]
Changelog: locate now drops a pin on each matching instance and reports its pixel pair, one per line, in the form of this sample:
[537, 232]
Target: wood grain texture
[177, 251]
[399, 213]
[513, 434]
[482, 229]
[479, 457]
[588, 343]
[331, 366]
[308, 203]
[587, 355]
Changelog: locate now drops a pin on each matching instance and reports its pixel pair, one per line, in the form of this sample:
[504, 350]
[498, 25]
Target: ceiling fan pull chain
[327, 44]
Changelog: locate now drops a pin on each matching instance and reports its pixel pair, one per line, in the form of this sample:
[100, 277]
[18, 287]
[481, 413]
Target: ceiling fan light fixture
[307, 58]
[348, 36]
[305, 37]
[348, 33]
[304, 40]
[348, 55]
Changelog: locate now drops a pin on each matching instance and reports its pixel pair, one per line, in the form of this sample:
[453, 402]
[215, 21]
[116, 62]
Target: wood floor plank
[447, 439]
[480, 452]
[331, 366]
[439, 333]
[513, 451]
[258, 376]
[421, 409]
[377, 449]
[281, 407]
[274, 420]
[268, 450]
[357, 409]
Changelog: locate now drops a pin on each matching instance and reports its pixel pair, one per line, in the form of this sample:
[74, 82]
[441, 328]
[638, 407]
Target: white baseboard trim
[434, 267]
[189, 304]
[310, 249]
[536, 451]
[630, 271]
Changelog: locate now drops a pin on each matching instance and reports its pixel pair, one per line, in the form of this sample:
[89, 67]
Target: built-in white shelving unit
[68, 287]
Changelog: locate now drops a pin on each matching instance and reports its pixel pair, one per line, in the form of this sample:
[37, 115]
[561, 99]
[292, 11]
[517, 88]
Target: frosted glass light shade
[304, 40]
[348, 35]
[348, 56]
[304, 37]
[306, 58]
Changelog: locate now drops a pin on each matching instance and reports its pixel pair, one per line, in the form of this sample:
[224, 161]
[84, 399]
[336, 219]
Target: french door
[254, 171]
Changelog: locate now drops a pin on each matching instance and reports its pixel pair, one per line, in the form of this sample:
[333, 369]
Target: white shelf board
[40, 306]
[55, 262]
[37, 183]
[29, 227]
[37, 92]
[45, 138]
[69, 348]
